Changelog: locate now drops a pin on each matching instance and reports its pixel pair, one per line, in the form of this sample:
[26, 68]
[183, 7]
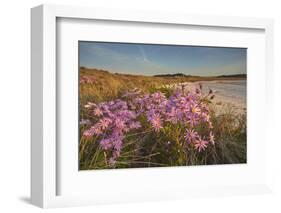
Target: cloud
[143, 54]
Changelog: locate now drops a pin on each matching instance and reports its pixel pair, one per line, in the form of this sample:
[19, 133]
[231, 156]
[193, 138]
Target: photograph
[161, 105]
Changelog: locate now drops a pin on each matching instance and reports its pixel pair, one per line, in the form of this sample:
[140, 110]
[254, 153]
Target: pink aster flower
[156, 123]
[104, 123]
[94, 130]
[192, 120]
[98, 112]
[200, 145]
[171, 115]
[191, 135]
[119, 123]
[88, 133]
[87, 79]
[195, 110]
[106, 144]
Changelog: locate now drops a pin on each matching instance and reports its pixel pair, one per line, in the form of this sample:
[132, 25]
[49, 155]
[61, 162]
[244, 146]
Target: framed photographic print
[149, 106]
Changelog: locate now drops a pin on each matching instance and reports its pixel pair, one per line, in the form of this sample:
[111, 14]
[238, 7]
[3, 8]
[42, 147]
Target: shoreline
[229, 94]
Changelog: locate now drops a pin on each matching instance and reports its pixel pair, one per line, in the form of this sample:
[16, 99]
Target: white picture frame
[44, 150]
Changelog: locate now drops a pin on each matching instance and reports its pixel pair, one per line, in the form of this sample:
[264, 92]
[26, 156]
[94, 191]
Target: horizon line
[155, 75]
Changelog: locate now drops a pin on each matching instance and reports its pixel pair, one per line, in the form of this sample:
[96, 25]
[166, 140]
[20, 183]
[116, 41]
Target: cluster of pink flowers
[186, 108]
[113, 121]
[87, 79]
[116, 118]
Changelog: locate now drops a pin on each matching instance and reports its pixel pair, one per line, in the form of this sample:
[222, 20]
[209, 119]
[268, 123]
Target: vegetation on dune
[111, 85]
[153, 125]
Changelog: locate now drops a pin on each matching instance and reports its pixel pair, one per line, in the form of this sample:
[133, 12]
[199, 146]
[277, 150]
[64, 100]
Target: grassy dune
[145, 148]
[110, 85]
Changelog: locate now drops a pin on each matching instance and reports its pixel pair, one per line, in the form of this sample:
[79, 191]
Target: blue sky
[151, 59]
